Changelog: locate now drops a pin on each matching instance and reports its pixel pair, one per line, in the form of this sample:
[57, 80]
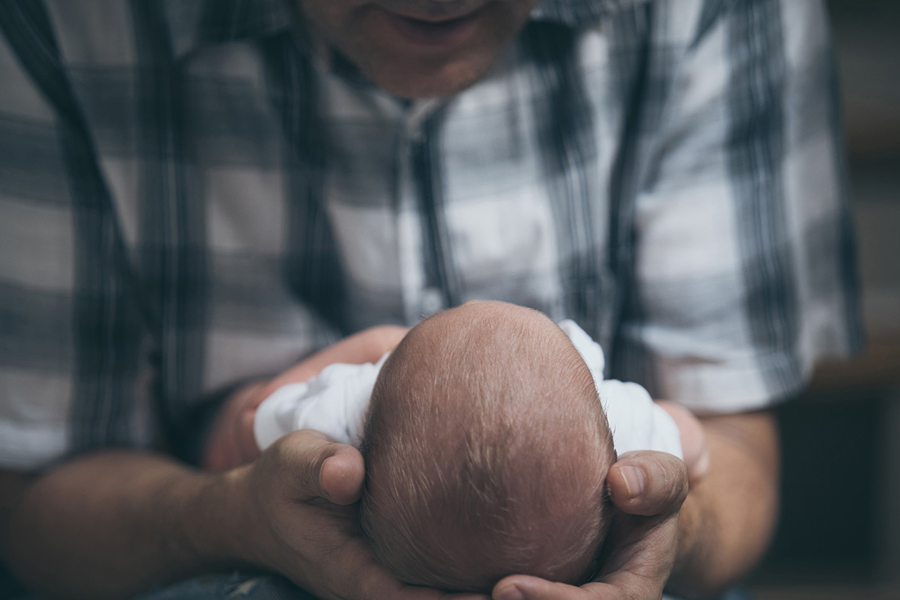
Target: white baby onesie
[335, 402]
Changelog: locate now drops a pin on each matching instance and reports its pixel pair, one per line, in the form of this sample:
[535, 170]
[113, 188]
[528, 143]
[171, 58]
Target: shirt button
[432, 301]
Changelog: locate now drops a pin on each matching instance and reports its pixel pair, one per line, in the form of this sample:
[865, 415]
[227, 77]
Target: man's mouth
[435, 33]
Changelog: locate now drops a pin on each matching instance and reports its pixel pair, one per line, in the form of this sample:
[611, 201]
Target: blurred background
[839, 536]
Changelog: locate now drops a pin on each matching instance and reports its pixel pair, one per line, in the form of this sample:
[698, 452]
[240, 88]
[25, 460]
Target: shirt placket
[423, 292]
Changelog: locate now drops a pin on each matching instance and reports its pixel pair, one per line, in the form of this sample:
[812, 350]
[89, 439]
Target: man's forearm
[113, 524]
[728, 519]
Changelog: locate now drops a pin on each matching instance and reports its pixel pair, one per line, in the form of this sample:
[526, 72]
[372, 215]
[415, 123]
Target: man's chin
[409, 50]
[421, 79]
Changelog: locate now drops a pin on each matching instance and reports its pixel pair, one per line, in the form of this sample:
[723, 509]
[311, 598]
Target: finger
[639, 555]
[627, 584]
[648, 483]
[700, 467]
[370, 581]
[525, 587]
[694, 445]
[321, 468]
[624, 585]
[342, 476]
[411, 592]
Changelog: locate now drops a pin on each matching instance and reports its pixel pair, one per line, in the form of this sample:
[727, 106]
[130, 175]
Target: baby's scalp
[487, 452]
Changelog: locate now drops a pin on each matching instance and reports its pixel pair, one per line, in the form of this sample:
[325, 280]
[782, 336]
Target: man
[194, 194]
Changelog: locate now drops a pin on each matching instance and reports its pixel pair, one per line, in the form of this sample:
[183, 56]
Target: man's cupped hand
[300, 520]
[648, 489]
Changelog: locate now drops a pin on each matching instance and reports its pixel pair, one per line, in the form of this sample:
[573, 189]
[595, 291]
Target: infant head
[487, 452]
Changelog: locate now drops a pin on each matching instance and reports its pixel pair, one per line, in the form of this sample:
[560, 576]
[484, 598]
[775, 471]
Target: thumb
[322, 468]
[648, 483]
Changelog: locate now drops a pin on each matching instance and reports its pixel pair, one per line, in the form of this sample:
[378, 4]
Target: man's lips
[435, 33]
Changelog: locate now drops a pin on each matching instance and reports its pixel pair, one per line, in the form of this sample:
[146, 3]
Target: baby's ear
[693, 440]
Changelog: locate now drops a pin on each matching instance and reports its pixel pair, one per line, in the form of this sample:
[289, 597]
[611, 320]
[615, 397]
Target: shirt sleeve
[71, 347]
[36, 275]
[744, 264]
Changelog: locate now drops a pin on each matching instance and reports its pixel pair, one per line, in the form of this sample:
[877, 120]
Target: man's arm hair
[140, 520]
[728, 519]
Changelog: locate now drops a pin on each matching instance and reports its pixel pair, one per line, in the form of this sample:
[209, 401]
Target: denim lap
[234, 586]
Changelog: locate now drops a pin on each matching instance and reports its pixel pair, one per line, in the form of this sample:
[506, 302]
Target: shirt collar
[194, 23]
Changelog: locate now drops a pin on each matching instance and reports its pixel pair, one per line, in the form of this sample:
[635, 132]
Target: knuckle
[679, 483]
[669, 481]
[296, 454]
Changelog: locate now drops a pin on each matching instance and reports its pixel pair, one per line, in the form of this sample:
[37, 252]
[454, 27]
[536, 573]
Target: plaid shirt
[192, 195]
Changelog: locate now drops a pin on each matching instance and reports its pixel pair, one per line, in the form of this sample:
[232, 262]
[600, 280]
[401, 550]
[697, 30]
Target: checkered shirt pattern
[192, 194]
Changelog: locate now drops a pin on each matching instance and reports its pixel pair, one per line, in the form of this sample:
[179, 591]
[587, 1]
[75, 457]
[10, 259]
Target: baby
[485, 443]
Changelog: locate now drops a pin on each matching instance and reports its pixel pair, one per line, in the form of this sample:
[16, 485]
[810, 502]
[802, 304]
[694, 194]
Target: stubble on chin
[342, 24]
[443, 81]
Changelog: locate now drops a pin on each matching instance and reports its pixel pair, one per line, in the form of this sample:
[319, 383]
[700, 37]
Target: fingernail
[634, 481]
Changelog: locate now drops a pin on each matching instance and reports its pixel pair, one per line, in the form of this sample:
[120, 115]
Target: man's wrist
[211, 522]
[727, 519]
[694, 539]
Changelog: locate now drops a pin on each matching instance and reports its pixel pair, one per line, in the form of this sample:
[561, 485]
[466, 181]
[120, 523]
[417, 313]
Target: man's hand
[297, 501]
[694, 446]
[696, 549]
[648, 488]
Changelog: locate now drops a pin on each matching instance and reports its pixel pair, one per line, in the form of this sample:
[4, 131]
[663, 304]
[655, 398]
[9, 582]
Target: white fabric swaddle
[335, 402]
